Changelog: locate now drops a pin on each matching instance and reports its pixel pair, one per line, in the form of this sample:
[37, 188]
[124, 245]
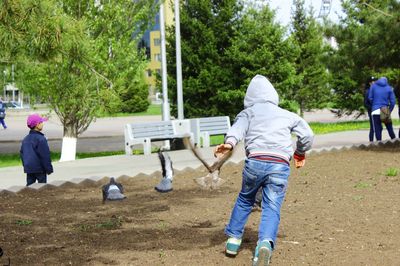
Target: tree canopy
[311, 89]
[368, 39]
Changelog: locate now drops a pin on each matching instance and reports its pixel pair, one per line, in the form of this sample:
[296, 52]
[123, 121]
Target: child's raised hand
[222, 149]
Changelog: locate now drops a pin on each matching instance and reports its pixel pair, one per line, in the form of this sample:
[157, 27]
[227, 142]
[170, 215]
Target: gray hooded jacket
[265, 127]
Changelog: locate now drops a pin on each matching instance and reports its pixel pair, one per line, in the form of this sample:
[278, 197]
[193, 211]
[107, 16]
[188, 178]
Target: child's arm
[305, 138]
[234, 134]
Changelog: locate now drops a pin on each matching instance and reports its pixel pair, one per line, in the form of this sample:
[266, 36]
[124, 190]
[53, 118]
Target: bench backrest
[159, 130]
[151, 130]
[218, 125]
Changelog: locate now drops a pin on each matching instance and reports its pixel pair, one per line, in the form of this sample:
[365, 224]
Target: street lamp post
[165, 104]
[165, 113]
[178, 62]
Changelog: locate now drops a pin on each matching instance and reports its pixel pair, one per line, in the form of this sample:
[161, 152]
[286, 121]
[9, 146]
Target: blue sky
[283, 9]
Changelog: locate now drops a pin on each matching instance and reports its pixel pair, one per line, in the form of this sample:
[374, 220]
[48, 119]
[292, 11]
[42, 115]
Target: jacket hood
[260, 90]
[382, 82]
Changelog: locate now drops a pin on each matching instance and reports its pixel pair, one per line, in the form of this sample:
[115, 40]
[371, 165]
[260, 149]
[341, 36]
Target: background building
[151, 41]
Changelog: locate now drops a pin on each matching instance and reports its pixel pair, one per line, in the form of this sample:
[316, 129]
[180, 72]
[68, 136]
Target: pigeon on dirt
[167, 172]
[9, 260]
[113, 191]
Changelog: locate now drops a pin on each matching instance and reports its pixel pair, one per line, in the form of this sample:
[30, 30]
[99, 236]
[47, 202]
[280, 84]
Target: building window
[157, 57]
[157, 42]
[148, 72]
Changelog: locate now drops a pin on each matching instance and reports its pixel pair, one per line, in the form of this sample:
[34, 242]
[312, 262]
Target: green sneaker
[262, 254]
[232, 246]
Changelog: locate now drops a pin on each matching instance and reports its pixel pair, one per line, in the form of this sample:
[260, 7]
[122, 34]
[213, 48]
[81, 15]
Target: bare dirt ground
[342, 208]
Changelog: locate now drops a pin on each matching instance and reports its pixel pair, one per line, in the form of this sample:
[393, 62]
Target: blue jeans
[377, 123]
[273, 178]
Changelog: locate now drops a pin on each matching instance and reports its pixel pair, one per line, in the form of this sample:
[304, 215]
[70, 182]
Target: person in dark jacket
[2, 114]
[381, 95]
[35, 152]
[368, 106]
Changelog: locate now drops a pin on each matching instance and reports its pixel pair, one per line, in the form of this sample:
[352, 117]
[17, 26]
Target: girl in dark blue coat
[35, 152]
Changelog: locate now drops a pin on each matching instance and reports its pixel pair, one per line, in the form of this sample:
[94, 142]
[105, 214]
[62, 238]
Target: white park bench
[204, 127]
[145, 133]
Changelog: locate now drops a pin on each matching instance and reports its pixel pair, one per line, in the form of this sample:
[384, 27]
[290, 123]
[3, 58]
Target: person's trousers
[371, 127]
[31, 178]
[273, 178]
[399, 116]
[3, 123]
[378, 128]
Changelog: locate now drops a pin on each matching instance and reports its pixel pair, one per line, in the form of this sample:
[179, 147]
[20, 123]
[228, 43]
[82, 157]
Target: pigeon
[113, 191]
[1, 255]
[167, 172]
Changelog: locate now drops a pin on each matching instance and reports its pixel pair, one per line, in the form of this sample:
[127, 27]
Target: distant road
[86, 144]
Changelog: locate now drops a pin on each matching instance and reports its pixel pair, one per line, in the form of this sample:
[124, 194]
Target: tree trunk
[301, 110]
[68, 148]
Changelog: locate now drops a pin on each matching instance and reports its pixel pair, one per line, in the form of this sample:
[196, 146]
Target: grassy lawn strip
[7, 160]
[154, 109]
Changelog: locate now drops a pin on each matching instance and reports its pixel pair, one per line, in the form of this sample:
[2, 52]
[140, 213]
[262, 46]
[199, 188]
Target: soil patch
[342, 208]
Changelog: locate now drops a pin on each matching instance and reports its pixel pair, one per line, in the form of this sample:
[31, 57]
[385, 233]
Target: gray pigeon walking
[113, 191]
[167, 172]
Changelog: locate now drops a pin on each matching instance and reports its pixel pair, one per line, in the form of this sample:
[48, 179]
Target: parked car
[14, 105]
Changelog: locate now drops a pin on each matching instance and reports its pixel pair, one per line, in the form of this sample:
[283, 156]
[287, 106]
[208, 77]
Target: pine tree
[311, 89]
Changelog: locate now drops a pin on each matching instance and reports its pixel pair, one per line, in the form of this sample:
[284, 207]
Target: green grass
[392, 171]
[362, 185]
[24, 222]
[7, 160]
[154, 109]
[324, 128]
[113, 223]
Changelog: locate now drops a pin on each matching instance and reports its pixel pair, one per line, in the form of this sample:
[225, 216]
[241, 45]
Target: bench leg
[167, 145]
[147, 147]
[128, 149]
[206, 139]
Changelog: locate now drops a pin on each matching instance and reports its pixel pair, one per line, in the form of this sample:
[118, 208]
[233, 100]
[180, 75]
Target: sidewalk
[119, 165]
[13, 178]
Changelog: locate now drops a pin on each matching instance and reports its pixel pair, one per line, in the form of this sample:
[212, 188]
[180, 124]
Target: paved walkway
[106, 129]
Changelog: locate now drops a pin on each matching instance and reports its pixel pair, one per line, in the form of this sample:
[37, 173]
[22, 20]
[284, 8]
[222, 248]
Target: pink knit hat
[35, 119]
